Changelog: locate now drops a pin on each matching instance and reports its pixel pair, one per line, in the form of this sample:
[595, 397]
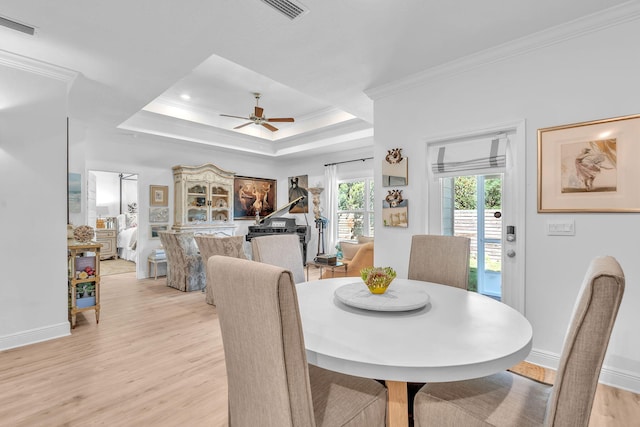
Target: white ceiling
[136, 58]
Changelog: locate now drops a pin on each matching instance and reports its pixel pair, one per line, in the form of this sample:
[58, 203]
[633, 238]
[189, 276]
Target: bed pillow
[122, 222]
[132, 220]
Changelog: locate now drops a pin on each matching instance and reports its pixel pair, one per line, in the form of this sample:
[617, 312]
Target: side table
[155, 261]
[327, 266]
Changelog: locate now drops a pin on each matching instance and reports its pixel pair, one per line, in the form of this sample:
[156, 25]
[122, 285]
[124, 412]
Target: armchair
[362, 258]
[185, 270]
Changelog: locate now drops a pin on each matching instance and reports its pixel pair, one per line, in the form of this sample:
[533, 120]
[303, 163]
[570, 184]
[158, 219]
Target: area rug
[116, 266]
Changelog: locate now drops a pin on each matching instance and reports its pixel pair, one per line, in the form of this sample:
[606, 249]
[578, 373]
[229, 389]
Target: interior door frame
[513, 208]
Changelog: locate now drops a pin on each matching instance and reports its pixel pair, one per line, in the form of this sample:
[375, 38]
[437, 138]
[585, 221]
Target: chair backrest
[440, 259]
[210, 245]
[586, 344]
[267, 372]
[281, 250]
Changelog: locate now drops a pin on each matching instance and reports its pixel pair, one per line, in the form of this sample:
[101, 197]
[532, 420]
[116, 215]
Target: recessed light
[185, 96]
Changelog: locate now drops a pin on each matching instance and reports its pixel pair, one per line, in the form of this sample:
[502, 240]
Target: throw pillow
[349, 249]
[365, 239]
[132, 220]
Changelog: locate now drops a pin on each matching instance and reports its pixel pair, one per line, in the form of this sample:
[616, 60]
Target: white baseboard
[33, 336]
[618, 378]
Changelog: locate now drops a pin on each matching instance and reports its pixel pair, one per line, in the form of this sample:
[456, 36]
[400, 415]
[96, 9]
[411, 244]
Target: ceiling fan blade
[241, 126]
[235, 117]
[259, 111]
[281, 119]
[271, 128]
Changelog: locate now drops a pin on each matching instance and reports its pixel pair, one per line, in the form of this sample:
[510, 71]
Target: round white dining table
[457, 335]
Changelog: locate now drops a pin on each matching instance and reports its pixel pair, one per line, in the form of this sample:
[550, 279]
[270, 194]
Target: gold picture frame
[590, 166]
[158, 195]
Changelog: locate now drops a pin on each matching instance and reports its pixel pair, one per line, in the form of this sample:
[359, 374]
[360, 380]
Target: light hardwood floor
[156, 359]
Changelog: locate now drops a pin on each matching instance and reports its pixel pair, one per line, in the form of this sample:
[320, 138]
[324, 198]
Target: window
[355, 208]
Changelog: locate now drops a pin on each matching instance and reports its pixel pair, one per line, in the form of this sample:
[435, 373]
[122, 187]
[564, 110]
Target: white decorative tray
[398, 297]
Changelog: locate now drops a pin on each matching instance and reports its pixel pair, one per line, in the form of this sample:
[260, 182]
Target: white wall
[33, 208]
[585, 78]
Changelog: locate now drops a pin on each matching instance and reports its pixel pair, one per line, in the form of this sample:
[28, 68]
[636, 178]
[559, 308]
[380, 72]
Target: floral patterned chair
[185, 269]
[210, 245]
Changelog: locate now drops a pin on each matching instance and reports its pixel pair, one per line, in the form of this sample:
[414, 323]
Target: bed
[127, 236]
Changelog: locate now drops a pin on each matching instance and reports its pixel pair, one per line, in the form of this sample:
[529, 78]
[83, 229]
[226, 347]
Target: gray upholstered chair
[211, 245]
[281, 250]
[185, 270]
[440, 259]
[270, 383]
[507, 399]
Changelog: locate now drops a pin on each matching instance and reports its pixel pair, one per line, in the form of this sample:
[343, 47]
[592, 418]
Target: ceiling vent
[5, 22]
[288, 8]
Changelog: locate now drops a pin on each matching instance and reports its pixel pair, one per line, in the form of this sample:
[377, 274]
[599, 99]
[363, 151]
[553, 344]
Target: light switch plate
[561, 228]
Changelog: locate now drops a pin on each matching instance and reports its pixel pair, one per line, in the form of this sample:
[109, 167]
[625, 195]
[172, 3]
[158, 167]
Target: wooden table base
[398, 404]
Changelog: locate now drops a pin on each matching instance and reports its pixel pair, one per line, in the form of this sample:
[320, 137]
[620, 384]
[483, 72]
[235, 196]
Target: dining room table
[415, 332]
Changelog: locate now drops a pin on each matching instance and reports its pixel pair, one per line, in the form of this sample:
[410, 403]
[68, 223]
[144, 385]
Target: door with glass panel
[472, 207]
[476, 187]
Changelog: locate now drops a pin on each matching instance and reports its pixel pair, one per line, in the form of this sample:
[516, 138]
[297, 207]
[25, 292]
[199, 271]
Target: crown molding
[594, 22]
[44, 69]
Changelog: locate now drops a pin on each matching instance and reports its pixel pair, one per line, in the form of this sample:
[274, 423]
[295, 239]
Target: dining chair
[281, 250]
[185, 269]
[210, 245]
[270, 383]
[440, 259]
[508, 399]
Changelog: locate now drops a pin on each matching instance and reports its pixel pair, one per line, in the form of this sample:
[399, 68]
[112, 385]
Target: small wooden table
[83, 273]
[331, 267]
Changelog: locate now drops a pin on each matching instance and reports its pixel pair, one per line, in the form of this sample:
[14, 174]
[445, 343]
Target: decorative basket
[83, 233]
[377, 279]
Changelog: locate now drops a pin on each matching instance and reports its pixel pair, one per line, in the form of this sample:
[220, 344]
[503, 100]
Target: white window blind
[469, 157]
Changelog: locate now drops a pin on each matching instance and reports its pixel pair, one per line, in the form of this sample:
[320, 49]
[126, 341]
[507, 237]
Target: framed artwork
[395, 210]
[74, 194]
[395, 170]
[298, 186]
[158, 195]
[158, 215]
[253, 196]
[590, 166]
[155, 229]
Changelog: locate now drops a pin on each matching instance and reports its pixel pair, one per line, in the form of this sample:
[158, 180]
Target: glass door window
[472, 207]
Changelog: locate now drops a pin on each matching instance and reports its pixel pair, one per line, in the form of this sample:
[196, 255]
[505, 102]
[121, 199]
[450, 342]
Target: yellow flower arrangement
[378, 279]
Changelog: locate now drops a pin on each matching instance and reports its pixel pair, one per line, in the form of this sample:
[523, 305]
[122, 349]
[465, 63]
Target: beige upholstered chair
[362, 258]
[440, 259]
[270, 383]
[210, 245]
[507, 399]
[281, 250]
[185, 270]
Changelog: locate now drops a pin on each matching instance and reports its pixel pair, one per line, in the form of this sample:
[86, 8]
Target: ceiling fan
[258, 117]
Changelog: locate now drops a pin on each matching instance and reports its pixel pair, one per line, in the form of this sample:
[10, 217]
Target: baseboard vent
[5, 22]
[288, 8]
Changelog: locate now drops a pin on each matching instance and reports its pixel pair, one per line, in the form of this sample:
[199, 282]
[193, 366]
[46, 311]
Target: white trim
[597, 21]
[23, 63]
[513, 272]
[33, 336]
[618, 378]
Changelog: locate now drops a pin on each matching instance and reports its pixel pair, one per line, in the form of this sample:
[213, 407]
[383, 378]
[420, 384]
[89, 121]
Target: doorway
[112, 208]
[492, 152]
